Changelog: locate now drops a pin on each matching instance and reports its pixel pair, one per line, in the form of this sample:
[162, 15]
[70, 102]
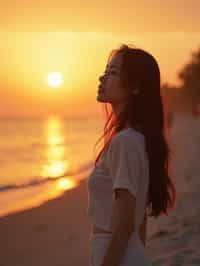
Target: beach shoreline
[58, 231]
[50, 234]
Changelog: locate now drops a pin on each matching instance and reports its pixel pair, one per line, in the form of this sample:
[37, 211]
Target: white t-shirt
[124, 164]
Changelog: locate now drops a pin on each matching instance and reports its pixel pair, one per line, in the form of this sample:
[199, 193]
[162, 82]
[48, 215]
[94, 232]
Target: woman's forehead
[115, 62]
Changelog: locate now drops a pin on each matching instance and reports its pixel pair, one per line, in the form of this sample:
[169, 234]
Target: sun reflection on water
[57, 164]
[66, 183]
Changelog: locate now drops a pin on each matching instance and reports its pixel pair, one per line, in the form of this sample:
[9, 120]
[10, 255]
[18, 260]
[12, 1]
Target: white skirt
[134, 254]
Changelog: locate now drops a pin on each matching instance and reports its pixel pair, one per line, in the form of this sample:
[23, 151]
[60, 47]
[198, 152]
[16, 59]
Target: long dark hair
[144, 112]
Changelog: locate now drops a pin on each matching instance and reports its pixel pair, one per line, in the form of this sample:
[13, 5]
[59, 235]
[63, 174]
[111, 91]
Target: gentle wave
[40, 180]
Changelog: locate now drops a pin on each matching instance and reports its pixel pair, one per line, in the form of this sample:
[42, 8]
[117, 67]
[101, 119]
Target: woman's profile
[130, 179]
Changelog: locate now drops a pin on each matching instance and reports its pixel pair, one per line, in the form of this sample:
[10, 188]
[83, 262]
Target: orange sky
[38, 37]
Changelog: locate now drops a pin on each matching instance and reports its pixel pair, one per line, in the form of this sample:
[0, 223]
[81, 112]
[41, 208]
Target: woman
[131, 171]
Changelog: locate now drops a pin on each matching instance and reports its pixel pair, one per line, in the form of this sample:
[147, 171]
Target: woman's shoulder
[127, 138]
[128, 135]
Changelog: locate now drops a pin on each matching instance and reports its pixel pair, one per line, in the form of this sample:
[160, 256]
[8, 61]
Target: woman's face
[110, 87]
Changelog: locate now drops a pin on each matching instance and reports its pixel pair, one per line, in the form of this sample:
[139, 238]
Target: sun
[54, 79]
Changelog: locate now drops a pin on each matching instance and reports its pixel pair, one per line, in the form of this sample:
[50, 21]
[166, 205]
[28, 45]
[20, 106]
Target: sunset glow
[51, 64]
[55, 79]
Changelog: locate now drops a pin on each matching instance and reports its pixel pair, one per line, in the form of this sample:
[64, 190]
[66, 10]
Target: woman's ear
[135, 91]
[135, 88]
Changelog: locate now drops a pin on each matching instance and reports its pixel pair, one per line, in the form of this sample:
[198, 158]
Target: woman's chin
[100, 97]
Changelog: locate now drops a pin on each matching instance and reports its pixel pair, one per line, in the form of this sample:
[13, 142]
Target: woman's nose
[101, 78]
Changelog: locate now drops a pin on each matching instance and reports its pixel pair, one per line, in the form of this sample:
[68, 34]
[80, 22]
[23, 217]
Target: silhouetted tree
[190, 78]
[174, 98]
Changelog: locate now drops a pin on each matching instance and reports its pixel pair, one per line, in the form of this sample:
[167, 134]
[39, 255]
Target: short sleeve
[123, 163]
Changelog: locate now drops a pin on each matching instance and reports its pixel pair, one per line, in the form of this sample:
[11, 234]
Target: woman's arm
[123, 227]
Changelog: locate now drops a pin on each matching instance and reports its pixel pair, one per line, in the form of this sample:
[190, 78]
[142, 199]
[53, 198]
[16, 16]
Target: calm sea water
[42, 158]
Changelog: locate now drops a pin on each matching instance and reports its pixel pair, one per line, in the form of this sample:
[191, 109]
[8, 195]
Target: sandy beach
[57, 232]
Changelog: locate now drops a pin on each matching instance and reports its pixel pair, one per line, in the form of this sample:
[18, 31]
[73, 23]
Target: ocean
[42, 158]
